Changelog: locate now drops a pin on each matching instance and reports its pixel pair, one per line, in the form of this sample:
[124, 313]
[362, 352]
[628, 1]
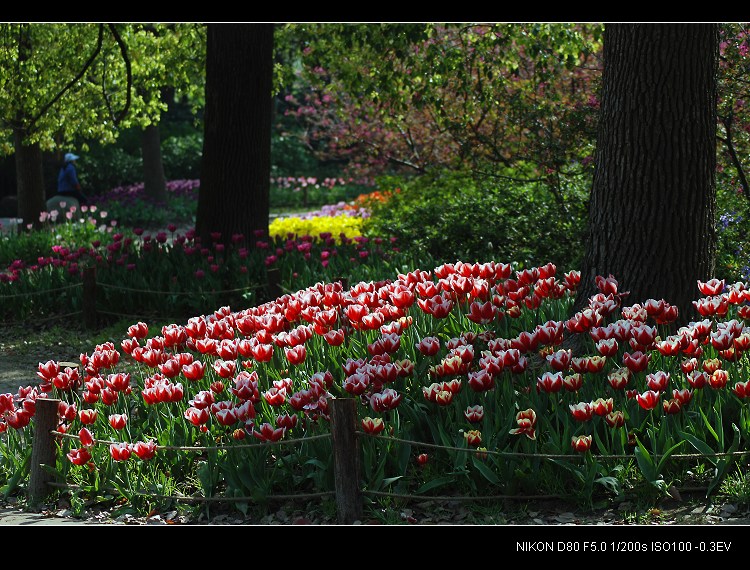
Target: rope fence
[179, 293]
[345, 437]
[549, 455]
[186, 499]
[91, 311]
[206, 448]
[41, 291]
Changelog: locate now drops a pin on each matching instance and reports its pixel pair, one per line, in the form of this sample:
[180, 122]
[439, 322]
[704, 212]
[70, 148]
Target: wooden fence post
[346, 460]
[43, 449]
[274, 283]
[89, 297]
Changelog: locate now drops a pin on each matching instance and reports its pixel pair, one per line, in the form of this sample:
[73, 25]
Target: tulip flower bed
[469, 357]
[170, 273]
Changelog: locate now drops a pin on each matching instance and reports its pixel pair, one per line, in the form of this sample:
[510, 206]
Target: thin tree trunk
[155, 183]
[653, 199]
[236, 167]
[29, 179]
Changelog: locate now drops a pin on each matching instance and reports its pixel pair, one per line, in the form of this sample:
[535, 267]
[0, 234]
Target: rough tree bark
[29, 179]
[236, 166]
[653, 198]
[155, 184]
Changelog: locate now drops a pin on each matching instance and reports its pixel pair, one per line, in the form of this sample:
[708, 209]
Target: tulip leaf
[666, 456]
[700, 445]
[710, 427]
[610, 483]
[434, 484]
[724, 462]
[486, 472]
[645, 462]
[390, 480]
[18, 474]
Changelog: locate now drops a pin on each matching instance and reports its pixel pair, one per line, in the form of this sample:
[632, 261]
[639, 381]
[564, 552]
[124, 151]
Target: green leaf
[390, 480]
[434, 484]
[610, 483]
[710, 427]
[700, 445]
[645, 462]
[724, 462]
[485, 470]
[666, 455]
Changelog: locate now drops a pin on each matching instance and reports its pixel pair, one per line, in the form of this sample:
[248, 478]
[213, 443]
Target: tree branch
[129, 72]
[72, 82]
[727, 122]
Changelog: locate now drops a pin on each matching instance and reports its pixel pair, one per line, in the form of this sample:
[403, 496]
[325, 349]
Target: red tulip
[619, 378]
[386, 400]
[18, 419]
[79, 456]
[372, 425]
[356, 383]
[636, 362]
[88, 416]
[225, 368]
[742, 389]
[607, 347]
[474, 414]
[658, 381]
[64, 411]
[672, 406]
[429, 346]
[718, 379]
[138, 330]
[226, 417]
[615, 419]
[550, 382]
[422, 459]
[688, 365]
[275, 397]
[581, 411]
[602, 407]
[711, 365]
[444, 397]
[266, 432]
[648, 400]
[712, 287]
[120, 451]
[560, 360]
[473, 437]
[697, 379]
[683, 396]
[335, 337]
[145, 450]
[481, 381]
[296, 355]
[526, 421]
[48, 370]
[572, 383]
[194, 371]
[581, 443]
[196, 416]
[86, 438]
[286, 421]
[118, 421]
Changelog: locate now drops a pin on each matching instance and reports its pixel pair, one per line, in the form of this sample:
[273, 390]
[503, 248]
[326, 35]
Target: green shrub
[453, 215]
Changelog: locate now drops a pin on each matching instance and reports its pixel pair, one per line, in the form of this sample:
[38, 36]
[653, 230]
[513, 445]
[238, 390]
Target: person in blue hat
[67, 179]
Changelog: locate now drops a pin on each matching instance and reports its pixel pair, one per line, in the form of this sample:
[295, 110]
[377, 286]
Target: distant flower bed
[337, 226]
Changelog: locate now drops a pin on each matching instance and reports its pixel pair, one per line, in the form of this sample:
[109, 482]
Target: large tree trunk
[29, 179]
[236, 167]
[653, 198]
[155, 185]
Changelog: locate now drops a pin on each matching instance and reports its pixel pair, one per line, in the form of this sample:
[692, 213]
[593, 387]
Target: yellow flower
[350, 226]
